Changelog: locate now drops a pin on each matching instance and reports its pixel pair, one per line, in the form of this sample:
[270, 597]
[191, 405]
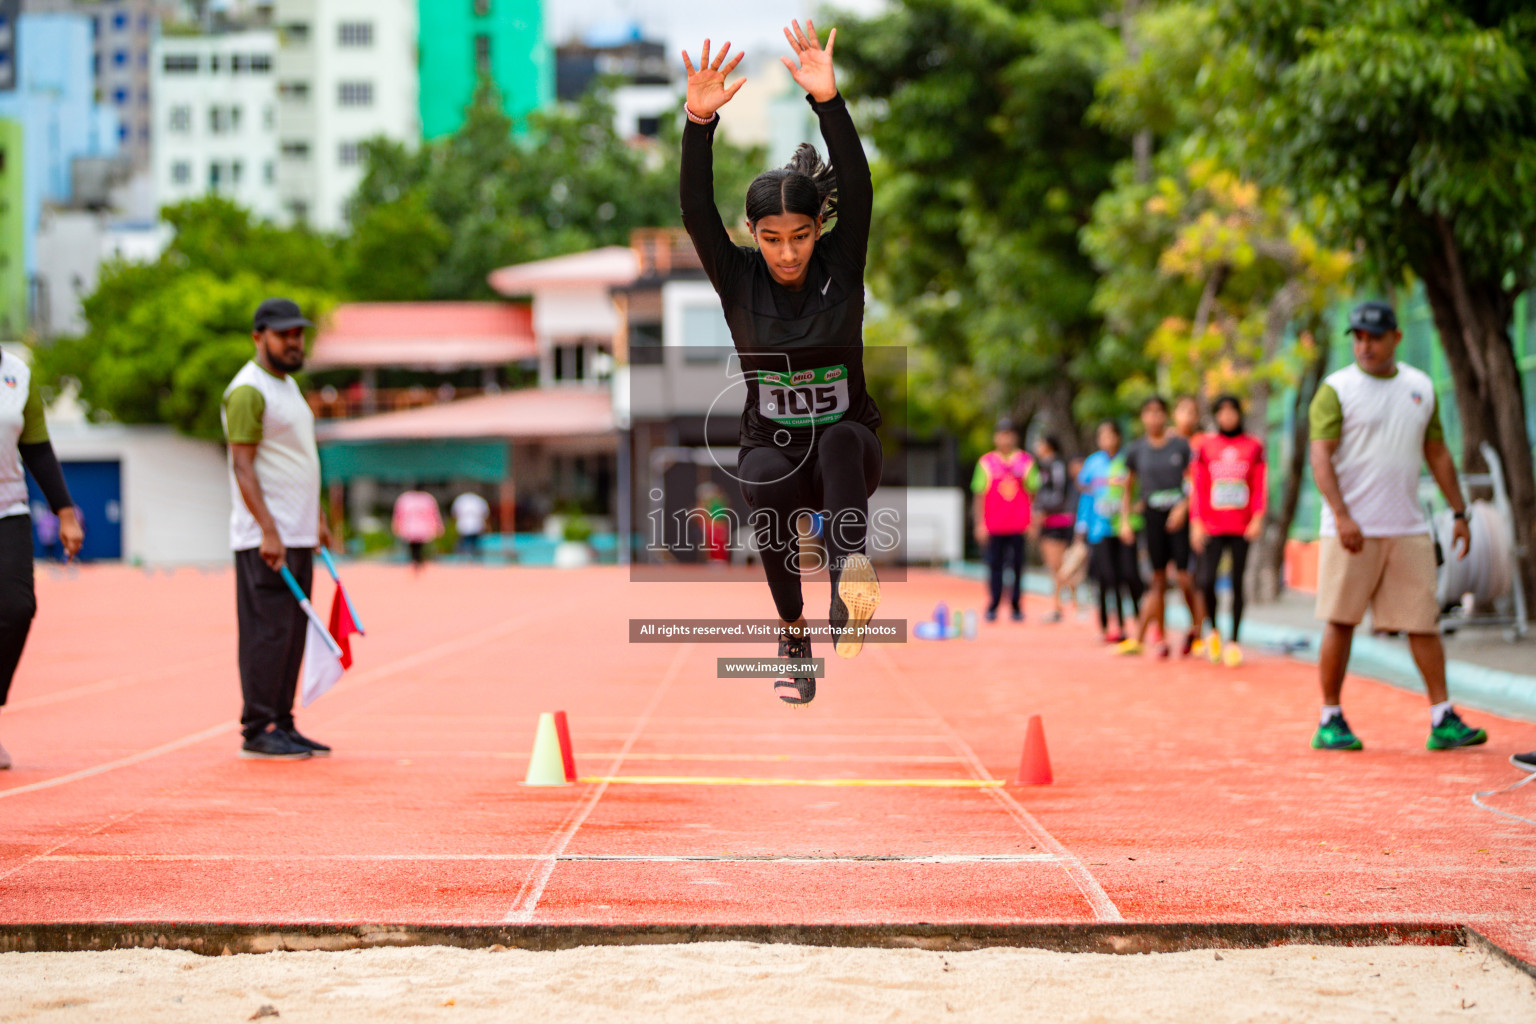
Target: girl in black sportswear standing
[795, 307]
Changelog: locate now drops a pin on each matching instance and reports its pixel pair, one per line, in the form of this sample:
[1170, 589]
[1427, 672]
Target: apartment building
[346, 73]
[215, 119]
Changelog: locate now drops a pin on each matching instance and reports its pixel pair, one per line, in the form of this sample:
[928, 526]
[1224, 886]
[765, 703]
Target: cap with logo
[279, 315]
[1373, 317]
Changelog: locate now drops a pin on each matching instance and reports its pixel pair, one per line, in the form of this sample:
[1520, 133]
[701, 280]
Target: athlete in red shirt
[1227, 512]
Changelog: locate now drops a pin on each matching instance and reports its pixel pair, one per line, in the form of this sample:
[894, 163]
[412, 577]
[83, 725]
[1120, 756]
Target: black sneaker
[1018, 615]
[315, 747]
[1525, 762]
[801, 690]
[273, 745]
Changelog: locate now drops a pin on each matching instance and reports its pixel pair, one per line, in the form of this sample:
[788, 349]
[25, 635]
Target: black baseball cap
[279, 315]
[1005, 425]
[1373, 317]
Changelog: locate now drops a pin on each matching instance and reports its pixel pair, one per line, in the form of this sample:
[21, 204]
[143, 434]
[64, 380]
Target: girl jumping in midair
[795, 307]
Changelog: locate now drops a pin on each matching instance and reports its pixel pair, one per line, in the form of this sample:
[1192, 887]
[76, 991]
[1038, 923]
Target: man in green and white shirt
[1374, 424]
[274, 474]
[24, 445]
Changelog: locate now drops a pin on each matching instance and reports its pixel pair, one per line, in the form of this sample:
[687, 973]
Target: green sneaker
[1452, 732]
[1335, 734]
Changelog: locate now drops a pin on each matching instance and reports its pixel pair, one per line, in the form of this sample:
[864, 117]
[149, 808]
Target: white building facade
[216, 119]
[346, 73]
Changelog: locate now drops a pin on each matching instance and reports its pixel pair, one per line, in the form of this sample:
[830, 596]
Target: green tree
[1415, 122]
[395, 251]
[167, 356]
[988, 170]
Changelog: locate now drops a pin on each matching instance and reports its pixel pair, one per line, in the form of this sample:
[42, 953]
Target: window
[215, 63]
[122, 133]
[180, 63]
[356, 94]
[120, 21]
[269, 172]
[268, 117]
[234, 119]
[351, 154]
[298, 209]
[355, 33]
[482, 8]
[181, 119]
[120, 96]
[296, 34]
[296, 149]
[215, 175]
[482, 53]
[216, 120]
[650, 127]
[120, 58]
[181, 172]
[235, 169]
[296, 92]
[237, 63]
[261, 63]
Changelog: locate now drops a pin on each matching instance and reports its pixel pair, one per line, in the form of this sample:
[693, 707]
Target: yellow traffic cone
[546, 766]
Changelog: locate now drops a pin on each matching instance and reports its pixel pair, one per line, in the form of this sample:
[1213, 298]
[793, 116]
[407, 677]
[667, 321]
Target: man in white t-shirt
[274, 473]
[470, 512]
[1374, 423]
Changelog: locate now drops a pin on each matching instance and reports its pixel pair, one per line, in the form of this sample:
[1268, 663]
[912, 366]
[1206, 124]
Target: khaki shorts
[1392, 576]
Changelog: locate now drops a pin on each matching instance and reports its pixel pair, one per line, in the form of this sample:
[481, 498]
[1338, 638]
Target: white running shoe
[854, 601]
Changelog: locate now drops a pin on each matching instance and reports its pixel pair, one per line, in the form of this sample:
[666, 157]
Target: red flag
[342, 625]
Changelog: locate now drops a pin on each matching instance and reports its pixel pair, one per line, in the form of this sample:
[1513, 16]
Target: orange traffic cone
[1035, 765]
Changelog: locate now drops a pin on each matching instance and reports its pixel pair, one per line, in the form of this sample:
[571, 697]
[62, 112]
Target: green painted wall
[13, 235]
[520, 61]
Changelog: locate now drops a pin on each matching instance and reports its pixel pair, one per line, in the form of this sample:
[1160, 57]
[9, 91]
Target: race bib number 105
[804, 397]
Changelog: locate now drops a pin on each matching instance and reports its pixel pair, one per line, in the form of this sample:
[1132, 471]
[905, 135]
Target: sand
[740, 983]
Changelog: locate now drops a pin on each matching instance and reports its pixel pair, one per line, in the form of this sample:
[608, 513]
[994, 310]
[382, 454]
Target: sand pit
[743, 982]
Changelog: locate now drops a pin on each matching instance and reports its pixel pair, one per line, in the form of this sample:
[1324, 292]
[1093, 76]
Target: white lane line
[355, 682]
[533, 886]
[123, 762]
[115, 682]
[567, 858]
[1104, 908]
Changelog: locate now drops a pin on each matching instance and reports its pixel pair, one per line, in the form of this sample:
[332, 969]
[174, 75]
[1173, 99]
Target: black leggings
[837, 477]
[18, 600]
[1210, 565]
[1005, 552]
[1117, 574]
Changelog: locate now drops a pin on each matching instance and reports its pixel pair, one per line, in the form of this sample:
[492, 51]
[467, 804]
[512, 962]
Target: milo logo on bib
[805, 397]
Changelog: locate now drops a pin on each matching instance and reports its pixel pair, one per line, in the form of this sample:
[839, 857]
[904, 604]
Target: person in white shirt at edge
[274, 471]
[470, 511]
[1373, 423]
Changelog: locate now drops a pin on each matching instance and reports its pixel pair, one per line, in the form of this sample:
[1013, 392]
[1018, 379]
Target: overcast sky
[756, 23]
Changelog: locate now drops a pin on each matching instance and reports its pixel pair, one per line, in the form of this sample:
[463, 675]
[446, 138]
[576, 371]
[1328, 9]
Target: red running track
[1184, 792]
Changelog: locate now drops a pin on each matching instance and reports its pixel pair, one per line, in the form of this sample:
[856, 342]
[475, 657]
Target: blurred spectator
[470, 512]
[418, 522]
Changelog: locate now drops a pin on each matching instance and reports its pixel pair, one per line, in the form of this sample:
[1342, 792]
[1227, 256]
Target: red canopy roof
[425, 335]
[526, 414]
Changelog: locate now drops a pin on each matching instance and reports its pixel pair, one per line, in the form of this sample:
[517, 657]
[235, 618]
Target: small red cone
[568, 756]
[1035, 765]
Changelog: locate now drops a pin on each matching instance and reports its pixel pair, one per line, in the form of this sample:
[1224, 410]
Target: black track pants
[837, 477]
[272, 632]
[1118, 576]
[18, 601]
[1210, 566]
[1005, 552]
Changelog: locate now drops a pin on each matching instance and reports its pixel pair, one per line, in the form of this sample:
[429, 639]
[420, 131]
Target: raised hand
[813, 73]
[707, 91]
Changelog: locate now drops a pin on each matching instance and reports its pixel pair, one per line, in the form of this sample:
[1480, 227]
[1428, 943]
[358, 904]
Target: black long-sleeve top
[802, 351]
